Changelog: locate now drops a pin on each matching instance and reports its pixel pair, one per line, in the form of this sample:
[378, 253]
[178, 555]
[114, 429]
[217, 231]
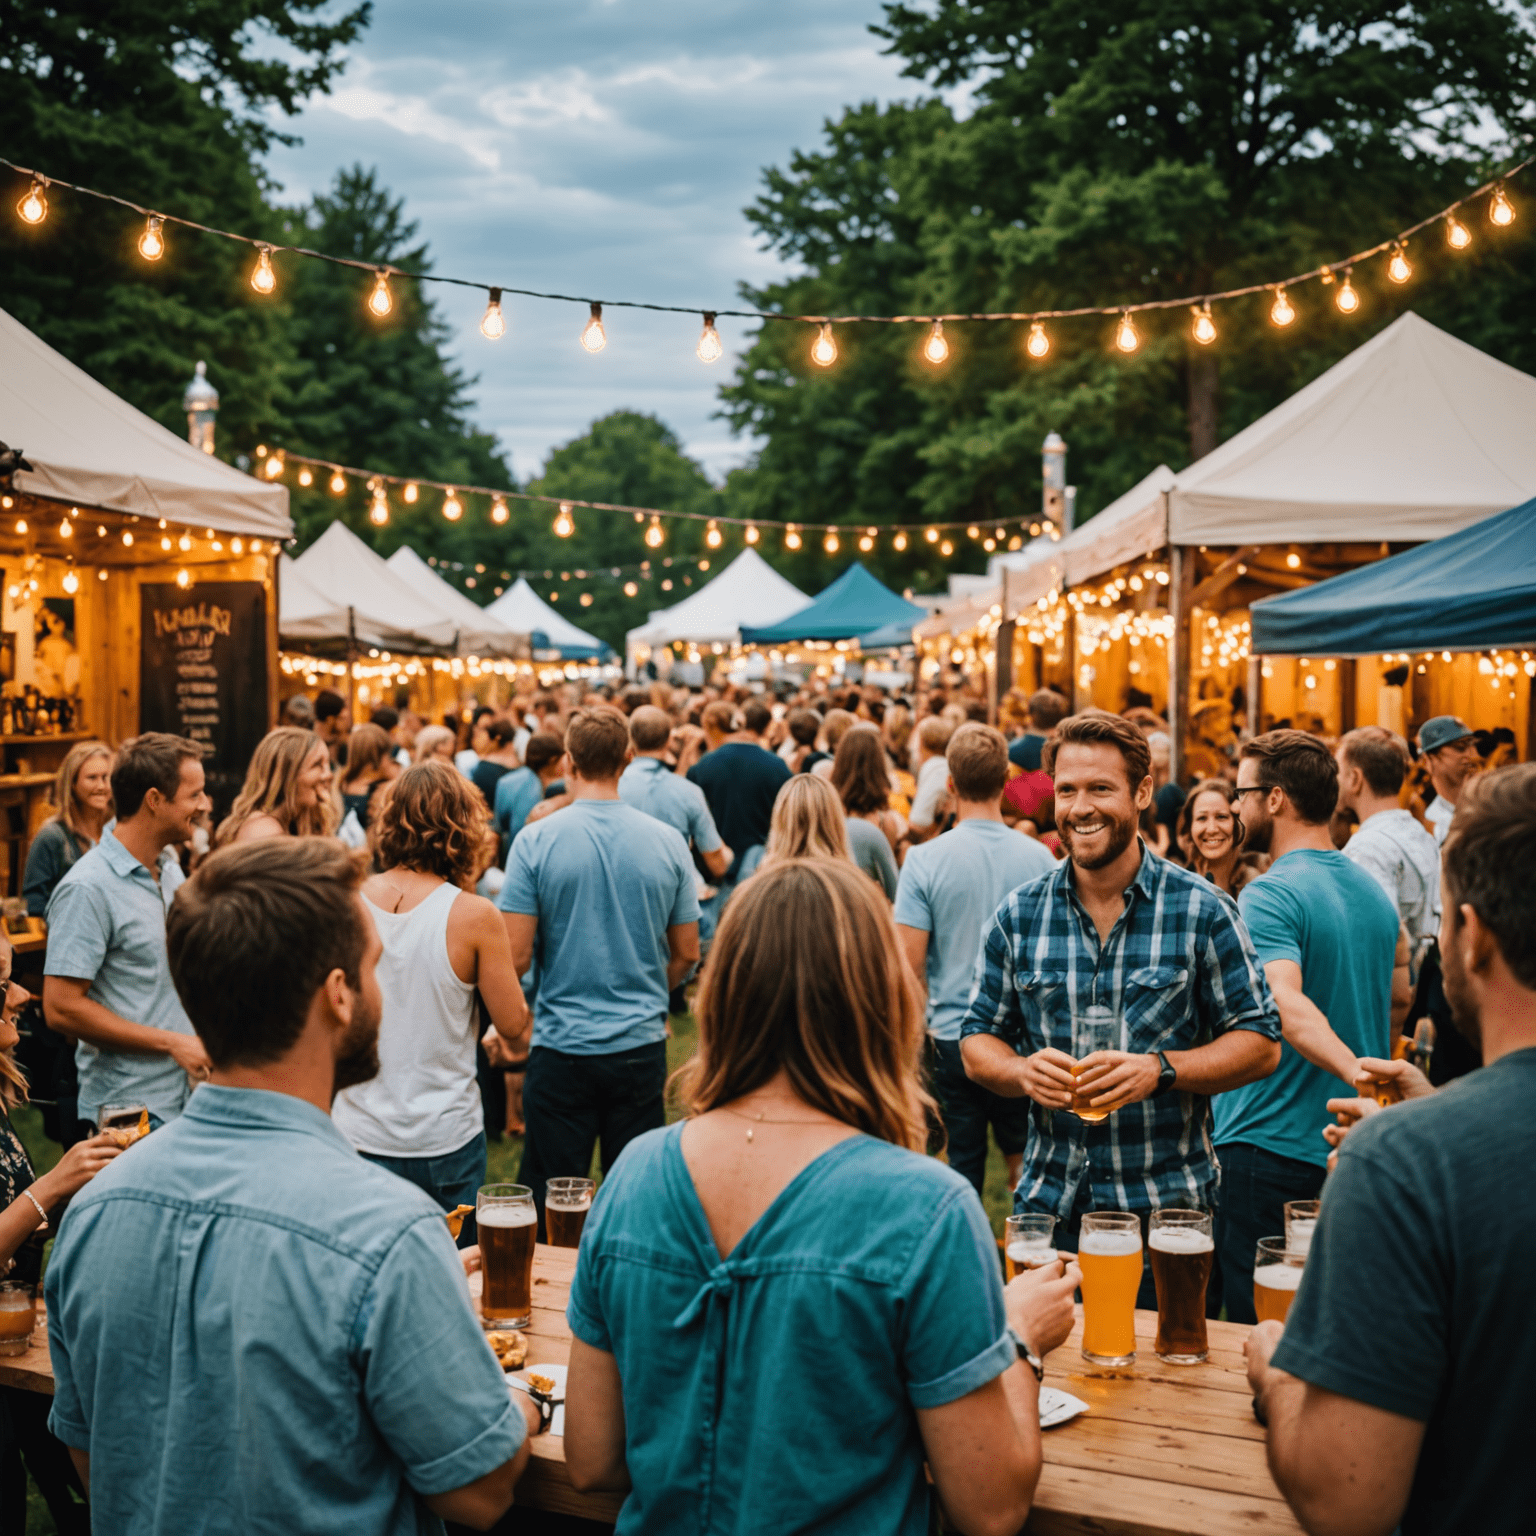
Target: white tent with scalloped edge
[747, 593]
[521, 609]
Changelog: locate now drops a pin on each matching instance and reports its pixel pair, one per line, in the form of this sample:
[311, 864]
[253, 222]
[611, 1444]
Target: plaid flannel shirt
[1177, 970]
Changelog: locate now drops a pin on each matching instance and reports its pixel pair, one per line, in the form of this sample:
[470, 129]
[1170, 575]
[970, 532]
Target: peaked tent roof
[748, 591]
[855, 604]
[87, 446]
[1468, 591]
[480, 632]
[521, 609]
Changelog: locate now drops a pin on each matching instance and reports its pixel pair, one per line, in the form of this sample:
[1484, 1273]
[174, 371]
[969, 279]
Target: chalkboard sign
[203, 673]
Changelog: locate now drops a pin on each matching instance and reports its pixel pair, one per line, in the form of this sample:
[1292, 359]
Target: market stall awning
[1473, 590]
[748, 591]
[855, 604]
[481, 633]
[521, 609]
[88, 447]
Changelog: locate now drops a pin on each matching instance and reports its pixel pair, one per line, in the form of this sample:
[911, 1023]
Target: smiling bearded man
[1118, 994]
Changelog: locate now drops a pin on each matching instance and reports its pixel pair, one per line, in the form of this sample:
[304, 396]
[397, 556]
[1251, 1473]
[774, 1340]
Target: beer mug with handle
[1182, 1253]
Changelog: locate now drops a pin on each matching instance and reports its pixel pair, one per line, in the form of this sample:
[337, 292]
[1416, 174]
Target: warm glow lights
[936, 349]
[66, 529]
[1204, 328]
[1293, 560]
[593, 337]
[1457, 235]
[453, 508]
[824, 348]
[867, 540]
[33, 208]
[1346, 298]
[946, 548]
[1501, 211]
[493, 324]
[378, 513]
[791, 538]
[152, 241]
[183, 578]
[1126, 338]
[932, 535]
[184, 543]
[127, 539]
[379, 301]
[1282, 311]
[712, 534]
[565, 524]
[499, 513]
[1397, 266]
[410, 493]
[263, 278]
[751, 534]
[654, 534]
[71, 583]
[830, 544]
[900, 541]
[338, 483]
[1038, 344]
[709, 349]
[307, 476]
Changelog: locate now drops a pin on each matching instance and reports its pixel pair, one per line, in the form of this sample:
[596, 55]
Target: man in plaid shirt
[1121, 986]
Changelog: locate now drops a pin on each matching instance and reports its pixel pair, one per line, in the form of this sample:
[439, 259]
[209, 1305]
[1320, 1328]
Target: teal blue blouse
[775, 1391]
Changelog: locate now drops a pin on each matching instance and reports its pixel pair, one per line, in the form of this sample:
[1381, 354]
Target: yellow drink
[1111, 1266]
[1274, 1289]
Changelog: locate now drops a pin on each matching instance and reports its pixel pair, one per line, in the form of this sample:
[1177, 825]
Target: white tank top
[425, 1101]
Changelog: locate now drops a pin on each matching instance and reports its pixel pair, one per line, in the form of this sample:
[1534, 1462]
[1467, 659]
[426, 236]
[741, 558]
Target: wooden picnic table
[1163, 1449]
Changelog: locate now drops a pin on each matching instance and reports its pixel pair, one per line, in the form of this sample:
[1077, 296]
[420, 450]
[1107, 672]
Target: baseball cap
[1441, 732]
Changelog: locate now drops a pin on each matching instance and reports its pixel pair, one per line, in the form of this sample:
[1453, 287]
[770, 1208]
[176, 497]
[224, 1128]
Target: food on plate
[511, 1347]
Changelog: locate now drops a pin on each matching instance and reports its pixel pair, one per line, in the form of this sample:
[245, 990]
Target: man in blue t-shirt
[1046, 709]
[604, 895]
[650, 785]
[740, 778]
[519, 791]
[948, 892]
[1326, 935]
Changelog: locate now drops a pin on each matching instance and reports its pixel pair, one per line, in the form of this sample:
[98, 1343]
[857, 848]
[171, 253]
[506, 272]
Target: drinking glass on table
[1109, 1255]
[1182, 1253]
[1027, 1243]
[1277, 1271]
[1300, 1224]
[566, 1203]
[1094, 1028]
[124, 1123]
[18, 1316]
[508, 1225]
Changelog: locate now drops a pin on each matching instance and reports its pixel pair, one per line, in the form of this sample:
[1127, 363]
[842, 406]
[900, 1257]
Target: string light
[1501, 210]
[593, 337]
[946, 548]
[306, 477]
[654, 535]
[71, 582]
[1397, 266]
[1346, 298]
[66, 529]
[1204, 329]
[33, 208]
[824, 348]
[21, 525]
[380, 301]
[127, 539]
[183, 578]
[751, 534]
[565, 524]
[378, 513]
[152, 242]
[1126, 338]
[791, 538]
[184, 543]
[712, 534]
[1039, 344]
[631, 589]
[1457, 235]
[709, 349]
[493, 324]
[867, 542]
[453, 508]
[411, 492]
[165, 543]
[1282, 311]
[263, 278]
[499, 513]
[932, 535]
[936, 349]
[101, 575]
[900, 541]
[338, 483]
[830, 544]
[274, 467]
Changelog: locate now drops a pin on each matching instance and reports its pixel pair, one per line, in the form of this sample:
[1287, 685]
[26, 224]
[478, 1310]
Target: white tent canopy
[481, 633]
[87, 446]
[747, 592]
[524, 612]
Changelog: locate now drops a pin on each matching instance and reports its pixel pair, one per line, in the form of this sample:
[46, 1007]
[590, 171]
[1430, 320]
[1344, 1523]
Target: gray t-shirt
[871, 850]
[1402, 858]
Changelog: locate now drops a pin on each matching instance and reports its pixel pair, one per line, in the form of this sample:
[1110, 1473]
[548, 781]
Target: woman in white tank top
[421, 1116]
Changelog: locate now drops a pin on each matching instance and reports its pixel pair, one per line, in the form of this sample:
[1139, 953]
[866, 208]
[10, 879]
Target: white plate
[1057, 1407]
[556, 1373]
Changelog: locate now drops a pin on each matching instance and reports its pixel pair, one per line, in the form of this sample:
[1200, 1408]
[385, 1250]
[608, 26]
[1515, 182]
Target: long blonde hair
[13, 1081]
[271, 788]
[805, 975]
[428, 739]
[808, 823]
[64, 785]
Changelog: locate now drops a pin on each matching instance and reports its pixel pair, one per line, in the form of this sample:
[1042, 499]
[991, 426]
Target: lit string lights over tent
[1492, 196]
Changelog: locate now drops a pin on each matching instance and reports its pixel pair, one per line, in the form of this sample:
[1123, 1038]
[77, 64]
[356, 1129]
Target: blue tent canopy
[855, 604]
[1472, 590]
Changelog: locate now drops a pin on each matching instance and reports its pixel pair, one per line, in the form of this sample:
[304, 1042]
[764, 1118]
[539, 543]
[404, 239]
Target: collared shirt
[106, 925]
[254, 1330]
[1438, 814]
[650, 786]
[1404, 860]
[1177, 970]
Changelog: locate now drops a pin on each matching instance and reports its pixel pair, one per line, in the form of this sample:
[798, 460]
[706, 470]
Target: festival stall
[553, 637]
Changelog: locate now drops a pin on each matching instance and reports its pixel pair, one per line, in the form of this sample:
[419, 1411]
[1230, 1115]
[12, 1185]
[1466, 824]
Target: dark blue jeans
[452, 1179]
[1255, 1186]
[968, 1109]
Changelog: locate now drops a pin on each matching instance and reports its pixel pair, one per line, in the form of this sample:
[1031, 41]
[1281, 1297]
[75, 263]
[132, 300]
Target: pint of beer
[508, 1226]
[1027, 1243]
[1109, 1254]
[1094, 1028]
[1300, 1224]
[566, 1203]
[1182, 1252]
[1277, 1272]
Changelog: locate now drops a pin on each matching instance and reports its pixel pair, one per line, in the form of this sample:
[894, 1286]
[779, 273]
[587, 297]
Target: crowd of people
[899, 928]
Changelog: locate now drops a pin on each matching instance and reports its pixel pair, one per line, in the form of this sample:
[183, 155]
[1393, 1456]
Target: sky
[598, 147]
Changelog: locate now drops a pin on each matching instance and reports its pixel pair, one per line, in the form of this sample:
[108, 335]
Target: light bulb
[237, 546]
[165, 542]
[751, 534]
[709, 349]
[66, 529]
[152, 242]
[830, 544]
[1281, 312]
[499, 513]
[101, 575]
[946, 548]
[1126, 338]
[1204, 330]
[936, 349]
[411, 493]
[21, 525]
[274, 467]
[867, 542]
[593, 337]
[33, 208]
[263, 279]
[493, 324]
[306, 475]
[1397, 268]
[379, 301]
[71, 583]
[184, 543]
[378, 513]
[127, 539]
[932, 535]
[900, 541]
[1346, 298]
[631, 589]
[712, 535]
[565, 524]
[338, 483]
[1501, 210]
[654, 535]
[1039, 343]
[1457, 235]
[791, 538]
[183, 578]
[824, 348]
[453, 508]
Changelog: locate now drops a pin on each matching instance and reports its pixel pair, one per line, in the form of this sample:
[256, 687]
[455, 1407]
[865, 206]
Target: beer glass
[18, 1316]
[508, 1225]
[1277, 1271]
[1300, 1224]
[1094, 1028]
[1109, 1255]
[566, 1203]
[1182, 1252]
[1027, 1244]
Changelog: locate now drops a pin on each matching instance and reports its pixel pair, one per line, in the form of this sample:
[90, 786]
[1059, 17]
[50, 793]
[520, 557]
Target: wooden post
[351, 659]
[1181, 574]
[1255, 686]
[1002, 656]
[1347, 694]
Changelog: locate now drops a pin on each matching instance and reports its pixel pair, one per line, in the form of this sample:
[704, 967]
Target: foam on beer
[507, 1216]
[1176, 1240]
[1026, 1253]
[1278, 1277]
[1110, 1245]
[1298, 1237]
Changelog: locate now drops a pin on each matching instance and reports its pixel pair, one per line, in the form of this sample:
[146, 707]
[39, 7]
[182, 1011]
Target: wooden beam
[1223, 576]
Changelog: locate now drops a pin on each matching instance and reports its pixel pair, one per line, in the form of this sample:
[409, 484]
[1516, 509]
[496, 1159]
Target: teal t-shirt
[777, 1390]
[1330, 917]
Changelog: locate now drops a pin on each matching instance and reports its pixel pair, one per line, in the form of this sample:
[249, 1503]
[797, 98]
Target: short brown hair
[1046, 709]
[150, 761]
[859, 773]
[283, 910]
[934, 731]
[719, 716]
[544, 748]
[598, 741]
[434, 821]
[804, 725]
[1380, 755]
[1488, 857]
[1303, 767]
[756, 716]
[649, 728]
[978, 763]
[1097, 729]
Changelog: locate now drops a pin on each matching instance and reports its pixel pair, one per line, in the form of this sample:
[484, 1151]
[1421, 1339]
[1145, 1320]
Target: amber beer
[1080, 1103]
[18, 1317]
[1182, 1252]
[566, 1203]
[1277, 1272]
[1109, 1255]
[508, 1226]
[1094, 1028]
[1027, 1243]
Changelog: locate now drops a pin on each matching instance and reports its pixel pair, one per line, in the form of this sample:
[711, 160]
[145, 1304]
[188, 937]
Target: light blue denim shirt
[255, 1331]
[650, 786]
[106, 925]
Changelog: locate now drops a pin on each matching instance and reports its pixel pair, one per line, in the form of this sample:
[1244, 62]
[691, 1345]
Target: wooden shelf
[26, 780]
[33, 740]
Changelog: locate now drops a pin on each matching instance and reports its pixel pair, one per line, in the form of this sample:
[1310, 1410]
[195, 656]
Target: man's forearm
[678, 969]
[994, 1064]
[1309, 1033]
[1232, 1060]
[83, 1019]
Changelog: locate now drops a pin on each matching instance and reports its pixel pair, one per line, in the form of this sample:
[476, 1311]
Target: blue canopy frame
[855, 604]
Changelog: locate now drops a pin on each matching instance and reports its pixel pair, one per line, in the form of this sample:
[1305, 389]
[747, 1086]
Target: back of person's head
[252, 936]
[756, 716]
[328, 705]
[978, 763]
[385, 718]
[1047, 709]
[836, 724]
[803, 725]
[501, 731]
[1303, 767]
[434, 821]
[632, 699]
[897, 726]
[367, 747]
[1487, 859]
[299, 711]
[933, 734]
[808, 822]
[430, 739]
[1380, 755]
[271, 787]
[1094, 729]
[718, 718]
[598, 743]
[859, 772]
[805, 976]
[153, 761]
[649, 728]
[544, 748]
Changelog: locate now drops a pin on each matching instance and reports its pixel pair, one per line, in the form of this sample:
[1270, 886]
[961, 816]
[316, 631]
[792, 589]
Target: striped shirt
[1177, 970]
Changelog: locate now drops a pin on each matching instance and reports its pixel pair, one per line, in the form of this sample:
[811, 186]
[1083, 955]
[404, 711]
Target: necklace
[758, 1119]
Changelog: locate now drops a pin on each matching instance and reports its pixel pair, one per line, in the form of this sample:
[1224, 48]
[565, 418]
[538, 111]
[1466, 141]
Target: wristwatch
[546, 1407]
[1026, 1354]
[1167, 1077]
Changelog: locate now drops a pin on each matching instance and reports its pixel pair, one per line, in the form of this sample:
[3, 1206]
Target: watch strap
[1168, 1074]
[1026, 1354]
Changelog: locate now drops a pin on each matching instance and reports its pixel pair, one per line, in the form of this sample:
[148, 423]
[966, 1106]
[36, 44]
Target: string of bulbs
[33, 209]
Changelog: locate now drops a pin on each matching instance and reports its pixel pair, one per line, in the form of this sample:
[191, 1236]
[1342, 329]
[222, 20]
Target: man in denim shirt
[252, 1328]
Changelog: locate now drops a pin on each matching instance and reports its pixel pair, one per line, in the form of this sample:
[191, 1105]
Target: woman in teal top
[782, 1309]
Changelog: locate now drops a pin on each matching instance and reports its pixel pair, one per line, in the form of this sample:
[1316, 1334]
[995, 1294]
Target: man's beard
[1258, 835]
[359, 1058]
[1465, 1014]
[1121, 831]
